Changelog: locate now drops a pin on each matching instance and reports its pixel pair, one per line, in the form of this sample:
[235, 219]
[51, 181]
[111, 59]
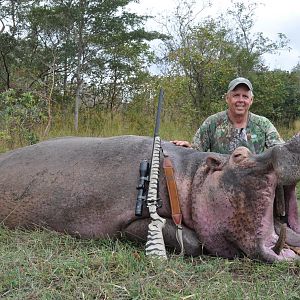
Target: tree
[104, 36]
[17, 53]
[250, 45]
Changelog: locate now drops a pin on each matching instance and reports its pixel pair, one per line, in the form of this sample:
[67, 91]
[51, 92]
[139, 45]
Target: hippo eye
[237, 155]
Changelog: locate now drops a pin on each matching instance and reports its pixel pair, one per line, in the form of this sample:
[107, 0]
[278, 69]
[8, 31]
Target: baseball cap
[240, 80]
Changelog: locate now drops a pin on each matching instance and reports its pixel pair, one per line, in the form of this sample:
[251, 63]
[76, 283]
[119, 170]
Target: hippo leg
[291, 207]
[137, 231]
[220, 245]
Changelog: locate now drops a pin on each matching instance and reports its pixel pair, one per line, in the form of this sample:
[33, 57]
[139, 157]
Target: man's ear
[251, 100]
[226, 97]
[214, 163]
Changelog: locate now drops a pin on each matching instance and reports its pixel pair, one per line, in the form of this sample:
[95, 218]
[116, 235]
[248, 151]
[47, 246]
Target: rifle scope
[141, 196]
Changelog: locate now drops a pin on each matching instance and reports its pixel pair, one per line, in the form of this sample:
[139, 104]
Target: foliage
[277, 96]
[59, 47]
[204, 61]
[19, 116]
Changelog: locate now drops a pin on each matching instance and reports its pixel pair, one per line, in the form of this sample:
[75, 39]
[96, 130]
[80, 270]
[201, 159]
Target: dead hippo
[87, 187]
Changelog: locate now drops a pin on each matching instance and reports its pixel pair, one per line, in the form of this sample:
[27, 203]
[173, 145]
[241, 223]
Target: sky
[271, 17]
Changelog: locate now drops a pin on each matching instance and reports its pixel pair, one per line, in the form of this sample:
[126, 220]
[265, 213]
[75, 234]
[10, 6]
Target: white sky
[272, 17]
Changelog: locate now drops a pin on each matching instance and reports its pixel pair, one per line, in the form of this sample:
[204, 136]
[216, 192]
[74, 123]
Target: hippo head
[237, 199]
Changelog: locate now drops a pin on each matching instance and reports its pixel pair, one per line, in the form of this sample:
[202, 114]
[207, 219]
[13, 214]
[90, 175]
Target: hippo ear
[214, 163]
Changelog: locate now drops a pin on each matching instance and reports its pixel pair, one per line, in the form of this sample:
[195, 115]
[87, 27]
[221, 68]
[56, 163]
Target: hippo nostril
[238, 157]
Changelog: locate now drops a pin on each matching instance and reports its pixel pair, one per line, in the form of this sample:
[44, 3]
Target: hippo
[87, 187]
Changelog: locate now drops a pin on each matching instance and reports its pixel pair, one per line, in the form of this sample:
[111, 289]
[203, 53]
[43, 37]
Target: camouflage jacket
[217, 134]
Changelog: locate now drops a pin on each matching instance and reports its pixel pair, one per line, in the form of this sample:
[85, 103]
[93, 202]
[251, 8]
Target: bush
[19, 115]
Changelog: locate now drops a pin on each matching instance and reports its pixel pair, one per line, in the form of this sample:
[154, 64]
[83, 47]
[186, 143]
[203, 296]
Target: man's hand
[182, 143]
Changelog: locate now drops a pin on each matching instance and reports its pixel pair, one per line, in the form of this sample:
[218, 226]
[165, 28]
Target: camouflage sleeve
[201, 140]
[272, 136]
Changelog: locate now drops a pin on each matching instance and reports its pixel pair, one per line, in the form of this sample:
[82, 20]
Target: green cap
[240, 80]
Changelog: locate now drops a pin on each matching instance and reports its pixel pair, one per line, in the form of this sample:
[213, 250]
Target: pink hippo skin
[87, 187]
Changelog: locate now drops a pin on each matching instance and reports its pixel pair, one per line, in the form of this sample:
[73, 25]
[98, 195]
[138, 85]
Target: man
[237, 126]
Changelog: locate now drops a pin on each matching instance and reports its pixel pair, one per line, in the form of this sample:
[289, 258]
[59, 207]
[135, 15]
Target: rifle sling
[172, 189]
[174, 199]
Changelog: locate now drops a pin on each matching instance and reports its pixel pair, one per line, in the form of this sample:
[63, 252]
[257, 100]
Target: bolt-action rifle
[155, 243]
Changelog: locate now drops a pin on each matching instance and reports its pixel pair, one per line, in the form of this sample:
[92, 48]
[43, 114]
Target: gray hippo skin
[87, 187]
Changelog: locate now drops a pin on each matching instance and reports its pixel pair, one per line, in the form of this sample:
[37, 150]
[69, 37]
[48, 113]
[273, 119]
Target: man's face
[239, 100]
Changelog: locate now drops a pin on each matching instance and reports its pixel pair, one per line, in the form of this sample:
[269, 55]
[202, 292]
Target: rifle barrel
[157, 121]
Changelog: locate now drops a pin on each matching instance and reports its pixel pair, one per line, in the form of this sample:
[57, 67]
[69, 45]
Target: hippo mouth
[284, 242]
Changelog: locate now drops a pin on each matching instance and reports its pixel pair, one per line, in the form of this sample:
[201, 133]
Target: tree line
[60, 57]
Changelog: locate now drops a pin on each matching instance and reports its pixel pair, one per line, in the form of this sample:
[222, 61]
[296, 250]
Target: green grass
[47, 265]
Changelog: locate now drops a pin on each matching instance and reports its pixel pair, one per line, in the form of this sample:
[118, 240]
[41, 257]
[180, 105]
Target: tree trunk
[80, 59]
[77, 101]
[49, 98]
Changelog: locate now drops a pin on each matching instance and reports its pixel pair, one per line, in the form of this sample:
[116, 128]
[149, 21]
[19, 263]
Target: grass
[48, 265]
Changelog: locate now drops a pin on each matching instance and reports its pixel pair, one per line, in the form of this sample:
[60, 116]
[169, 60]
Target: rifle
[155, 242]
[145, 169]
